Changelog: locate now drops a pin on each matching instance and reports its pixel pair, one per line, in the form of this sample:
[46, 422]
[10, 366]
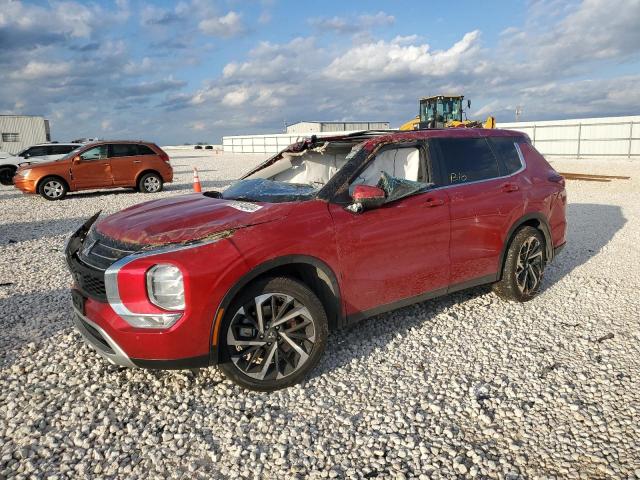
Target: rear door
[485, 201]
[124, 159]
[93, 170]
[398, 251]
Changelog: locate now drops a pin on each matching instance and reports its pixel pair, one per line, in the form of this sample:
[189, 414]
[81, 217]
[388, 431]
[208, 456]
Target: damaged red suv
[323, 234]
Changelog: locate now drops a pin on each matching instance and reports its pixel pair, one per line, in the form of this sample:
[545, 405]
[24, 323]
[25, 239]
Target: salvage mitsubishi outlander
[327, 232]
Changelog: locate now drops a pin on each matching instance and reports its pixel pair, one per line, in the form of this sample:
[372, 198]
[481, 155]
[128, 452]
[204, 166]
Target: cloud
[226, 26]
[352, 24]
[155, 16]
[75, 60]
[37, 70]
[384, 61]
[151, 88]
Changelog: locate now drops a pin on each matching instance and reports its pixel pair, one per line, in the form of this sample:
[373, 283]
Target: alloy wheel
[271, 337]
[53, 189]
[529, 265]
[151, 184]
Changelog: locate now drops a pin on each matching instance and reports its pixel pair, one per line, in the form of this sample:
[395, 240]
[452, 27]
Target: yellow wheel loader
[444, 111]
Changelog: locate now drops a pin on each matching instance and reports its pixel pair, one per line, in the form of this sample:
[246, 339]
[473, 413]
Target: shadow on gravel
[7, 196]
[25, 231]
[31, 317]
[591, 226]
[363, 338]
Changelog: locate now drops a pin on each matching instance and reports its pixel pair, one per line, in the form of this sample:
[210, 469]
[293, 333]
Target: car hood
[186, 218]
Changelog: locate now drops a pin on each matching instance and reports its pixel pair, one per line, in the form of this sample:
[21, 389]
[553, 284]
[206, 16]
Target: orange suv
[140, 165]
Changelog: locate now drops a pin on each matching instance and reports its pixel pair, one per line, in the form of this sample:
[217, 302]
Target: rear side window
[505, 150]
[123, 150]
[144, 150]
[466, 160]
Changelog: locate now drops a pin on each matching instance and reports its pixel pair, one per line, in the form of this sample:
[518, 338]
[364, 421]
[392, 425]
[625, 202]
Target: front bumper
[27, 186]
[186, 344]
[96, 337]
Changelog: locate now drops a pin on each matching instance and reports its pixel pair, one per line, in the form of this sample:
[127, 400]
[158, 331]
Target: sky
[195, 70]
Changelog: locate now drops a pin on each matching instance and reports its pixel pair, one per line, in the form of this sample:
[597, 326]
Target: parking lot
[463, 385]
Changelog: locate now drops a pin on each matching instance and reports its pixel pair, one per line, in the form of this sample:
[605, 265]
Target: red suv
[323, 234]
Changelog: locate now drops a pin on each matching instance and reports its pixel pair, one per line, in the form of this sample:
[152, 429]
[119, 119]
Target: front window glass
[95, 153]
[295, 176]
[399, 172]
[35, 152]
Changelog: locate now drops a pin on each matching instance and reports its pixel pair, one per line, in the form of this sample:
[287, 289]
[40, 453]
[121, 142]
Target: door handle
[434, 202]
[510, 187]
[137, 161]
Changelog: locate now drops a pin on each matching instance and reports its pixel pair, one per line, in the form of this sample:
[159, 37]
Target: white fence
[267, 143]
[579, 138]
[584, 137]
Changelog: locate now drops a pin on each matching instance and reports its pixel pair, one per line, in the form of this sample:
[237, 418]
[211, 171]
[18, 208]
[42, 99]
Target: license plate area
[78, 300]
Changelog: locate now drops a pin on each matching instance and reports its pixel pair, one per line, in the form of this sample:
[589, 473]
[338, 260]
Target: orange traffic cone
[196, 181]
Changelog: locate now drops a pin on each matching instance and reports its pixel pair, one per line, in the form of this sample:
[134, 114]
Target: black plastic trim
[351, 319]
[270, 265]
[201, 361]
[559, 249]
[544, 228]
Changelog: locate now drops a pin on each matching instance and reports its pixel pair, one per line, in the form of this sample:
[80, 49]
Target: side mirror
[25, 155]
[76, 159]
[368, 197]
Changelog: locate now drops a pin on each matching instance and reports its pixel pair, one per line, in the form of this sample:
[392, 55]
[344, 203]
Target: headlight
[165, 287]
[23, 173]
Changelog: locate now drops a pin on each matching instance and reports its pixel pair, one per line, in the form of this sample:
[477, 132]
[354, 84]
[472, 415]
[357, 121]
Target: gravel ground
[465, 385]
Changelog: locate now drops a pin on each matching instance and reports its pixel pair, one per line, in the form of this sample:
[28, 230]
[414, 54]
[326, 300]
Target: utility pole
[518, 112]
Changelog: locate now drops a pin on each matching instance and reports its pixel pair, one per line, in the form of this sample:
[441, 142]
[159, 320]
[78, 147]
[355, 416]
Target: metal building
[18, 132]
[319, 127]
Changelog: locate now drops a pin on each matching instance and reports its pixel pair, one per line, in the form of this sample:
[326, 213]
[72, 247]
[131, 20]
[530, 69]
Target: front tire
[53, 188]
[6, 175]
[523, 266]
[273, 334]
[150, 183]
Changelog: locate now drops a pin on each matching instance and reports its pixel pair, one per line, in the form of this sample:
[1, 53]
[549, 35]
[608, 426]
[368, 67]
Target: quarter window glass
[144, 150]
[467, 160]
[95, 153]
[123, 150]
[506, 151]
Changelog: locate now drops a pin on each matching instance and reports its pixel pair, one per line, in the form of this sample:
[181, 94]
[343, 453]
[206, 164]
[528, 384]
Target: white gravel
[464, 385]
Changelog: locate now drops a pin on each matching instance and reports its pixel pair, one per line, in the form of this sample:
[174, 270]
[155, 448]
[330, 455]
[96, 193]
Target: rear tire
[276, 346]
[6, 175]
[150, 183]
[53, 188]
[523, 266]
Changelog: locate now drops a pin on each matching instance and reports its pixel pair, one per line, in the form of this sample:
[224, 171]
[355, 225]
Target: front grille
[90, 283]
[88, 263]
[100, 252]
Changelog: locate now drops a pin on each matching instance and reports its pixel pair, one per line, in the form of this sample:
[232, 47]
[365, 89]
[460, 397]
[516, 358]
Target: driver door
[93, 170]
[392, 254]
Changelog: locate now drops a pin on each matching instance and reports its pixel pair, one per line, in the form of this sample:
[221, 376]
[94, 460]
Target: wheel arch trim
[543, 226]
[260, 270]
